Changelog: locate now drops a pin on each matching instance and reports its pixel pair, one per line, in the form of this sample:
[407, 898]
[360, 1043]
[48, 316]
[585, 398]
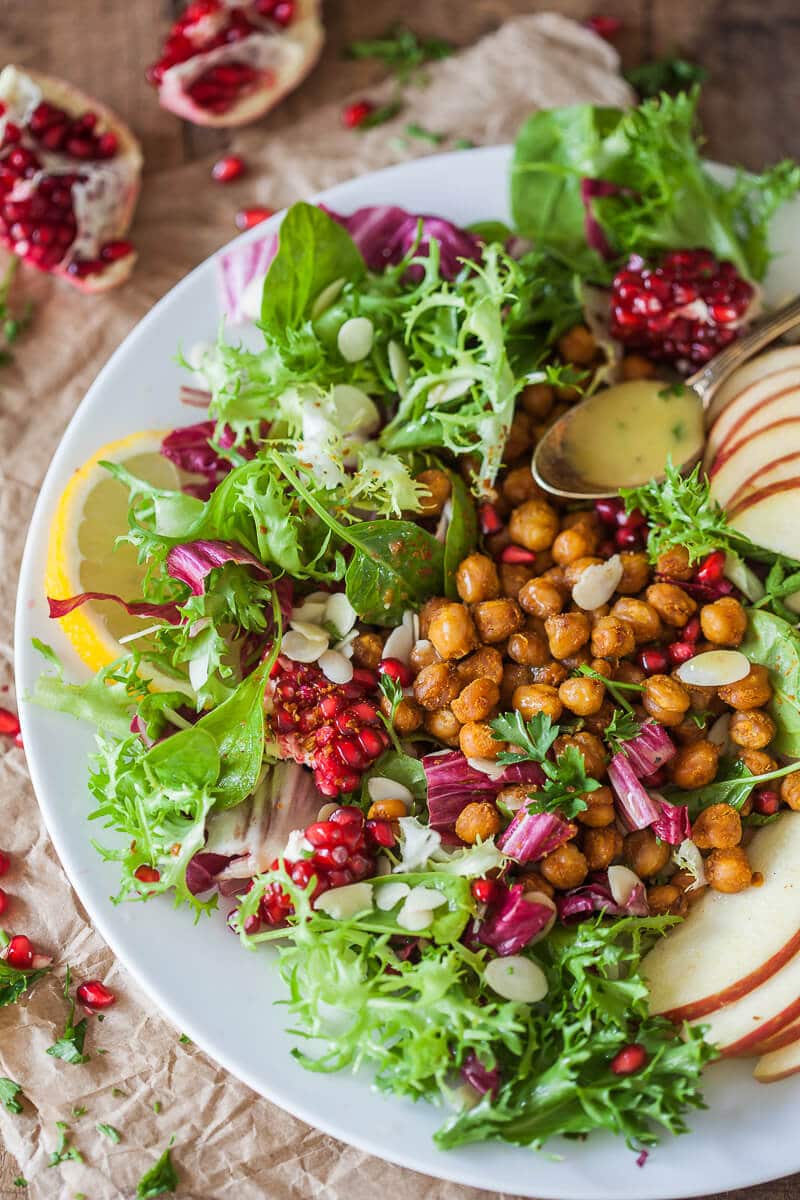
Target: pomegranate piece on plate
[684, 310]
[225, 63]
[69, 180]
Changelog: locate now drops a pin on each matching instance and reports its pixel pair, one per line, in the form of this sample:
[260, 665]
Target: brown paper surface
[229, 1141]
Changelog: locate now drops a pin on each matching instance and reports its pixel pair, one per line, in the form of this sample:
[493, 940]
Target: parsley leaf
[161, 1178]
[110, 1132]
[15, 982]
[11, 324]
[535, 737]
[9, 1091]
[622, 727]
[20, 1181]
[64, 1150]
[69, 1047]
[401, 50]
[565, 780]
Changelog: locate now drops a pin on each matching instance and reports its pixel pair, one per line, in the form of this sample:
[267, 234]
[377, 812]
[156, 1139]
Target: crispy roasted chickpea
[612, 638]
[675, 563]
[591, 748]
[598, 722]
[567, 632]
[428, 611]
[565, 868]
[477, 579]
[514, 675]
[601, 846]
[717, 827]
[687, 884]
[753, 729]
[724, 622]
[602, 666]
[584, 518]
[665, 898]
[519, 486]
[452, 631]
[541, 598]
[529, 648]
[672, 603]
[599, 810]
[553, 674]
[437, 491]
[574, 570]
[628, 672]
[532, 881]
[573, 543]
[478, 821]
[537, 399]
[423, 653]
[754, 691]
[582, 695]
[534, 525]
[578, 346]
[437, 685]
[387, 810]
[645, 854]
[513, 577]
[636, 366]
[495, 543]
[554, 574]
[695, 765]
[477, 701]
[476, 740]
[367, 650]
[444, 725]
[665, 699]
[729, 870]
[688, 733]
[484, 663]
[790, 790]
[520, 436]
[534, 698]
[496, 620]
[641, 616]
[635, 572]
[757, 761]
[408, 715]
[573, 662]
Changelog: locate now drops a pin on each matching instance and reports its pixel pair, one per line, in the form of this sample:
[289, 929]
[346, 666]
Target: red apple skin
[769, 363]
[784, 1037]
[746, 486]
[748, 1045]
[785, 1062]
[733, 417]
[728, 450]
[772, 489]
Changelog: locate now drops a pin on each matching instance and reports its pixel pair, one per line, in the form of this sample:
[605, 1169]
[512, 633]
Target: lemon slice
[82, 554]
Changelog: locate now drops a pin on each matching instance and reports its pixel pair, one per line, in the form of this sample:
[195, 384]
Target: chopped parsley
[110, 1132]
[79, 1111]
[161, 1178]
[615, 687]
[64, 1150]
[157, 1107]
[10, 1094]
[379, 116]
[15, 982]
[402, 51]
[565, 779]
[622, 727]
[12, 324]
[69, 1047]
[20, 1181]
[413, 130]
[185, 1040]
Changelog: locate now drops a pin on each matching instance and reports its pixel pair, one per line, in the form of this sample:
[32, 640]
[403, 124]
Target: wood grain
[749, 47]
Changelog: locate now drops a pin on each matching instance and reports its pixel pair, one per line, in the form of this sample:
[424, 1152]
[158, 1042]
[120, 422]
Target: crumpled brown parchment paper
[229, 1141]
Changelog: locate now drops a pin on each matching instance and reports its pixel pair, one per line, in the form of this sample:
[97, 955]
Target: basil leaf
[775, 644]
[189, 756]
[462, 533]
[395, 566]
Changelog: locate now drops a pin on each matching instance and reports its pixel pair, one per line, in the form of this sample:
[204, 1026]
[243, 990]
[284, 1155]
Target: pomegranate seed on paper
[246, 218]
[9, 723]
[629, 1060]
[355, 114]
[226, 169]
[95, 995]
[604, 26]
[19, 952]
[3, 901]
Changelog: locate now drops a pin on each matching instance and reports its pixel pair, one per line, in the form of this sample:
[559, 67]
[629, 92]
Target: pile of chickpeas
[515, 638]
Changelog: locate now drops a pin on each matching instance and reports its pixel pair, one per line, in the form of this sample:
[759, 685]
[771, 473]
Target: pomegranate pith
[682, 311]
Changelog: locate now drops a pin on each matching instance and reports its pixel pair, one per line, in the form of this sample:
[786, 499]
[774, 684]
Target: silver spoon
[556, 473]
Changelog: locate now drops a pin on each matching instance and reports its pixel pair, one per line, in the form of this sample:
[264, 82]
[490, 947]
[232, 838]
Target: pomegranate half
[227, 62]
[69, 181]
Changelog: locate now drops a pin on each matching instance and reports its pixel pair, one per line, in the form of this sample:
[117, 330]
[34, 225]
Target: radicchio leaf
[595, 896]
[159, 612]
[202, 870]
[673, 824]
[637, 808]
[515, 922]
[453, 783]
[532, 835]
[192, 562]
[241, 267]
[649, 750]
[384, 234]
[480, 1077]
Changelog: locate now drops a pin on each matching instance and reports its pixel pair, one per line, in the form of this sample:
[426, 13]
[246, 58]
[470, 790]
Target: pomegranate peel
[69, 180]
[226, 64]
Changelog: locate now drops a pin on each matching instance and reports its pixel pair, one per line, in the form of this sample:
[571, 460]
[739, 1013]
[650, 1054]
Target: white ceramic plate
[199, 975]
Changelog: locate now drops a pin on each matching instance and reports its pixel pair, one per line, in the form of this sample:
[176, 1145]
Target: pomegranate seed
[381, 833]
[356, 114]
[365, 678]
[113, 251]
[691, 630]
[5, 862]
[19, 952]
[346, 815]
[95, 995]
[629, 1060]
[372, 741]
[711, 568]
[3, 901]
[246, 218]
[147, 874]
[628, 538]
[226, 169]
[607, 548]
[396, 670]
[517, 554]
[351, 753]
[680, 652]
[653, 662]
[635, 519]
[323, 834]
[605, 27]
[489, 520]
[252, 924]
[766, 801]
[484, 890]
[9, 723]
[608, 510]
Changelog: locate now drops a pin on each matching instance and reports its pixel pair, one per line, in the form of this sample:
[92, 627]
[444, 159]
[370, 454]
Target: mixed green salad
[268, 738]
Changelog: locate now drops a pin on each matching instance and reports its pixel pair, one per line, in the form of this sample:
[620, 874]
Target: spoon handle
[706, 381]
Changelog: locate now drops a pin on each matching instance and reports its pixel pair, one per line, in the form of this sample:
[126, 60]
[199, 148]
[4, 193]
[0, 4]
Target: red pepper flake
[246, 218]
[604, 26]
[226, 169]
[9, 722]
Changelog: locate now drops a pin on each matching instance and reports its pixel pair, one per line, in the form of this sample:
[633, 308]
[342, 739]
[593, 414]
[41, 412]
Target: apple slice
[738, 1027]
[776, 471]
[750, 401]
[769, 516]
[750, 372]
[783, 1037]
[778, 1064]
[767, 447]
[779, 410]
[730, 944]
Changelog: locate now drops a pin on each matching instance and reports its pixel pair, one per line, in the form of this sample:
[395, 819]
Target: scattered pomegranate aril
[399, 671]
[680, 652]
[3, 901]
[635, 519]
[691, 630]
[604, 26]
[608, 509]
[766, 802]
[356, 114]
[517, 554]
[710, 570]
[252, 924]
[147, 874]
[380, 832]
[628, 538]
[9, 723]
[5, 862]
[94, 995]
[19, 952]
[484, 890]
[489, 519]
[683, 310]
[653, 662]
[226, 169]
[246, 218]
[629, 1060]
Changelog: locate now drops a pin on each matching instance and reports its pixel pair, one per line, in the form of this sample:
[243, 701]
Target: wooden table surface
[750, 49]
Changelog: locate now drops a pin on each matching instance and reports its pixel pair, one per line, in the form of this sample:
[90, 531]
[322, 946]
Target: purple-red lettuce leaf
[514, 923]
[386, 234]
[636, 807]
[532, 835]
